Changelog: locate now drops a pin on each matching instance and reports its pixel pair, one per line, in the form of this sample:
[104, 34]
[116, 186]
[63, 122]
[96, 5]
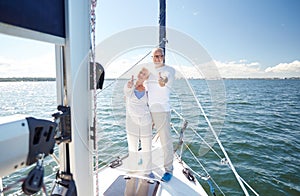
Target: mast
[65, 24]
[75, 156]
[162, 24]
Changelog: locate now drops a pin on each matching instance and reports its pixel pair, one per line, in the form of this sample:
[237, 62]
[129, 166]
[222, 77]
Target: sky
[244, 38]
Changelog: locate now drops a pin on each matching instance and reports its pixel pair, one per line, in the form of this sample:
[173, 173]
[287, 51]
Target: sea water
[257, 121]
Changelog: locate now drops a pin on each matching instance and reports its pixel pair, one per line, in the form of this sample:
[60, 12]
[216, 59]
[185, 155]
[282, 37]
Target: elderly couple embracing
[148, 106]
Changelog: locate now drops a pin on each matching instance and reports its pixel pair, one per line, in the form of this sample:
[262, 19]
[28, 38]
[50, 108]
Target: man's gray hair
[157, 49]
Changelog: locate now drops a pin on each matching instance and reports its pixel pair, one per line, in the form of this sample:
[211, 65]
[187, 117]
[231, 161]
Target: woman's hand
[130, 82]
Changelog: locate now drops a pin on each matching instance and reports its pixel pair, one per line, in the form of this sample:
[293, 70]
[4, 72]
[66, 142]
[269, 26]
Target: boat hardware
[63, 119]
[64, 185]
[115, 163]
[41, 138]
[224, 161]
[180, 142]
[209, 182]
[188, 174]
[28, 137]
[34, 180]
[100, 73]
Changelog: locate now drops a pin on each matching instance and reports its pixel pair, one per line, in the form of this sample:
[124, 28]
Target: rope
[212, 190]
[44, 189]
[93, 45]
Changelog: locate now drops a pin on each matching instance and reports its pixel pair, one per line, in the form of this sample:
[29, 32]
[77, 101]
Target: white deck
[178, 185]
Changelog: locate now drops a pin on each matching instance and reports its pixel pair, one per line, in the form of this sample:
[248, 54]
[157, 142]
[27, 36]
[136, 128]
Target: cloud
[40, 66]
[245, 69]
[239, 69]
[44, 66]
[231, 69]
[285, 67]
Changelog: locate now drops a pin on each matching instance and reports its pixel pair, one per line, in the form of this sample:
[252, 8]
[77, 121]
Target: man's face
[158, 58]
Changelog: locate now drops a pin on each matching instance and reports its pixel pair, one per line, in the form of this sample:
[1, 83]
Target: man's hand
[162, 80]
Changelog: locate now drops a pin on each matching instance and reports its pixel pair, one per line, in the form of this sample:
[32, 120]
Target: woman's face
[143, 74]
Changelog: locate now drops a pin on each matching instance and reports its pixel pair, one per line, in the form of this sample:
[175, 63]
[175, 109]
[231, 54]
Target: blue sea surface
[257, 121]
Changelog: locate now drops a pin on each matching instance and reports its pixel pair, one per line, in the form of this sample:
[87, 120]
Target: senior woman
[138, 124]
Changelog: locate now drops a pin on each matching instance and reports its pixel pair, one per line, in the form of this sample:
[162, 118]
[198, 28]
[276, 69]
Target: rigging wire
[110, 84]
[199, 163]
[221, 146]
[237, 176]
[240, 180]
[130, 68]
[222, 159]
[197, 134]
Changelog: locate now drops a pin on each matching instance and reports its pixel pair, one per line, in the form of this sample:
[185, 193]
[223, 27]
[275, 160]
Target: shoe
[151, 175]
[166, 177]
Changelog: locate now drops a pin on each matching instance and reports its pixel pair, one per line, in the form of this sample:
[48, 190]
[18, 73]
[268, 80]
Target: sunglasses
[157, 56]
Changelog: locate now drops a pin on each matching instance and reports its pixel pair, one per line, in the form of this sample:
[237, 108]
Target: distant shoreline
[28, 79]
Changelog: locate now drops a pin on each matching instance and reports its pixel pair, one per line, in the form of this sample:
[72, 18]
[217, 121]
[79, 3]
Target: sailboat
[78, 77]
